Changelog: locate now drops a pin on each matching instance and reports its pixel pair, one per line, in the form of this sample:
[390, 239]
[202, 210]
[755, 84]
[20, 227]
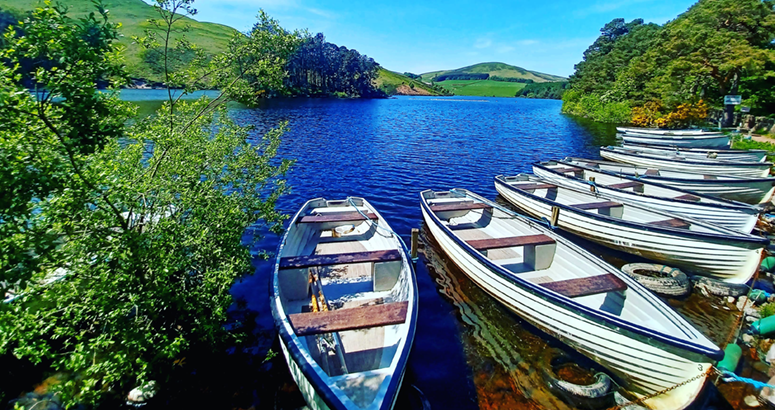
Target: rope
[728, 376]
[403, 244]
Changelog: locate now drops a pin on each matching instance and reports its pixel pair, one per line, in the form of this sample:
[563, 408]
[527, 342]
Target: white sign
[745, 109]
[733, 99]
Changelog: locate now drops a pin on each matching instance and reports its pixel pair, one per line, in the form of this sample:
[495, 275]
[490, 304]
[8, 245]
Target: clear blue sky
[420, 36]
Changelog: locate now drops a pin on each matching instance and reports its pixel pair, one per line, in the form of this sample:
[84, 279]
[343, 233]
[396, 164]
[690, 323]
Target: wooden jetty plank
[297, 262]
[459, 206]
[508, 242]
[672, 223]
[592, 285]
[625, 185]
[336, 217]
[313, 323]
[596, 205]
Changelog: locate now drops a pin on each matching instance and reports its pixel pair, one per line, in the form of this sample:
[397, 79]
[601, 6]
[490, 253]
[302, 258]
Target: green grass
[497, 69]
[389, 81]
[133, 16]
[482, 88]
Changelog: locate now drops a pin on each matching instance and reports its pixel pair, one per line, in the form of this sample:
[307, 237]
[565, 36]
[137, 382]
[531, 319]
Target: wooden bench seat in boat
[294, 275]
[672, 223]
[459, 206]
[530, 187]
[307, 261]
[362, 317]
[609, 208]
[652, 172]
[592, 285]
[689, 197]
[565, 170]
[336, 217]
[538, 249]
[629, 184]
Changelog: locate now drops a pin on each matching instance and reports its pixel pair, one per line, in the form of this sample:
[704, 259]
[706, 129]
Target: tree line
[549, 91]
[715, 48]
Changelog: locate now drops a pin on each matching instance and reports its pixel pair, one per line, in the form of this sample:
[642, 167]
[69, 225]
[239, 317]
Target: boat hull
[719, 142]
[730, 260]
[656, 131]
[736, 169]
[648, 365]
[700, 154]
[739, 218]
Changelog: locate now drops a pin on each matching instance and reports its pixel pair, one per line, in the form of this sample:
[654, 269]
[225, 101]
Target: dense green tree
[142, 224]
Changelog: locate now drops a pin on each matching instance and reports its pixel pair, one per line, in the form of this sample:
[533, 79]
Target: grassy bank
[393, 83]
[482, 88]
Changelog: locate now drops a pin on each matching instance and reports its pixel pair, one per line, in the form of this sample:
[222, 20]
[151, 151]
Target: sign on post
[733, 99]
[745, 109]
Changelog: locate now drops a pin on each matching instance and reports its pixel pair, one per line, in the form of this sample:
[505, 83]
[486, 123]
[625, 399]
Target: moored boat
[688, 244]
[657, 131]
[730, 214]
[750, 169]
[687, 141]
[568, 293]
[748, 190]
[759, 155]
[344, 302]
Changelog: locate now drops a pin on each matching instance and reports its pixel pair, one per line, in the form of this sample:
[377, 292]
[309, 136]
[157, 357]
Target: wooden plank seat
[508, 242]
[689, 197]
[592, 285]
[459, 206]
[298, 262]
[596, 205]
[625, 185]
[535, 186]
[709, 177]
[314, 323]
[672, 223]
[565, 170]
[652, 172]
[336, 217]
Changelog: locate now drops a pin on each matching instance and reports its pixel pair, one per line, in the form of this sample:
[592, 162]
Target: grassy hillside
[133, 16]
[393, 83]
[482, 88]
[499, 70]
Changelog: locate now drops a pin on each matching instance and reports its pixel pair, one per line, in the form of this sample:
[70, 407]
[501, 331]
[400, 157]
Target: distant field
[482, 88]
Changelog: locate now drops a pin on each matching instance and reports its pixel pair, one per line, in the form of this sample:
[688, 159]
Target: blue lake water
[469, 352]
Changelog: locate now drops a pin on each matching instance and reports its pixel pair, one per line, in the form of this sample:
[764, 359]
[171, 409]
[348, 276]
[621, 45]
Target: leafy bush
[591, 106]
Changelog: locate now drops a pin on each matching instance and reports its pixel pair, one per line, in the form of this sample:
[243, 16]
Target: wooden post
[415, 241]
[592, 185]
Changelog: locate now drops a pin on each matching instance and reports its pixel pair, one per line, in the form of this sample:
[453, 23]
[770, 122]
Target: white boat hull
[701, 153]
[719, 142]
[737, 169]
[656, 131]
[725, 259]
[736, 217]
[648, 366]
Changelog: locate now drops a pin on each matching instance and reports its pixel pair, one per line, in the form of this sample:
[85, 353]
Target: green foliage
[740, 143]
[142, 224]
[553, 91]
[388, 82]
[767, 310]
[511, 79]
[591, 106]
[482, 88]
[717, 47]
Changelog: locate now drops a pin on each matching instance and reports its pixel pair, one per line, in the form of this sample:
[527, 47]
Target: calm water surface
[469, 352]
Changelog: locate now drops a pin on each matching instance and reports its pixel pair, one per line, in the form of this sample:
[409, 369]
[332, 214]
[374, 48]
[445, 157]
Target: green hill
[133, 16]
[497, 70]
[393, 83]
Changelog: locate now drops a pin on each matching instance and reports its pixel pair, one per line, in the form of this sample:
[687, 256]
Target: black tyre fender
[716, 287]
[665, 280]
[597, 391]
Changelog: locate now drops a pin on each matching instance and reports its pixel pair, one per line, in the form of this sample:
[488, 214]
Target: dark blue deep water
[469, 352]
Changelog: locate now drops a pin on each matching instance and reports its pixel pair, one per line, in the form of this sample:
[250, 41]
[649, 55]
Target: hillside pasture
[482, 88]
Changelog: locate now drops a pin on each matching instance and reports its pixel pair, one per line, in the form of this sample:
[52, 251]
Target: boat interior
[346, 285]
[527, 251]
[636, 171]
[592, 203]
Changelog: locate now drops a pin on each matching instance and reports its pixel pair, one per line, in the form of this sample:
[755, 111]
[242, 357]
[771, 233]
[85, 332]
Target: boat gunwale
[309, 370]
[604, 318]
[635, 153]
[739, 237]
[727, 203]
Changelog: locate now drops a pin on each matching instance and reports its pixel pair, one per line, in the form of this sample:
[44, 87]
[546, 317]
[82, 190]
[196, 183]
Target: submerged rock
[751, 401]
[139, 396]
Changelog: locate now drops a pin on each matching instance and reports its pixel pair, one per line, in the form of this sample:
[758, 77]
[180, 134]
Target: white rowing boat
[730, 214]
[709, 166]
[657, 131]
[688, 244]
[345, 305]
[759, 155]
[686, 141]
[748, 190]
[568, 293]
